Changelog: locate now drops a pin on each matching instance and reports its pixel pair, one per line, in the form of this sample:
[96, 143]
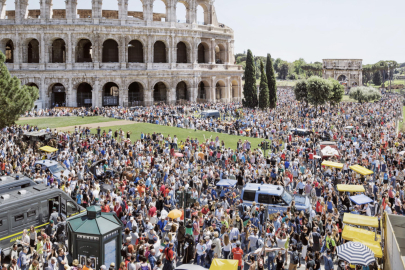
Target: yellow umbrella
[48, 149]
[332, 164]
[361, 170]
[174, 214]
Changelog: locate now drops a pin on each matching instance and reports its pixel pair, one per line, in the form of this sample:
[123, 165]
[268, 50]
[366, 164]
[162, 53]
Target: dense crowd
[151, 176]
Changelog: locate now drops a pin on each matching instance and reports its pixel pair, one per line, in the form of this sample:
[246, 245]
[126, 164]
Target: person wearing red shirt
[105, 208]
[117, 209]
[238, 254]
[169, 255]
[152, 211]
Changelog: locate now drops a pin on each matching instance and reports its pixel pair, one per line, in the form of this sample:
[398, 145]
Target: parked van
[210, 113]
[54, 167]
[275, 197]
[31, 206]
[14, 181]
[300, 132]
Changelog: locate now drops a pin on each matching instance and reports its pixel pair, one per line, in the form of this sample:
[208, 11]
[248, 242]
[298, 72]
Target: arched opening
[111, 94]
[159, 10]
[219, 54]
[58, 10]
[58, 51]
[342, 78]
[33, 52]
[159, 52]
[135, 52]
[181, 12]
[84, 51]
[203, 53]
[58, 95]
[10, 5]
[9, 52]
[202, 93]
[181, 52]
[160, 92]
[181, 92]
[110, 51]
[135, 9]
[220, 91]
[84, 10]
[235, 89]
[202, 15]
[109, 9]
[135, 94]
[36, 86]
[84, 95]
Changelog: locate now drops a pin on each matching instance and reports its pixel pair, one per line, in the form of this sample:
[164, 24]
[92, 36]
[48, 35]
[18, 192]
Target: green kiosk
[96, 236]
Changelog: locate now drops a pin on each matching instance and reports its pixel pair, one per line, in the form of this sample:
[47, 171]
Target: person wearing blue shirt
[328, 262]
[287, 164]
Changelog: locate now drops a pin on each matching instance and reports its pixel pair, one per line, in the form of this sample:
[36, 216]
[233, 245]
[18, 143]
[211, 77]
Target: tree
[301, 91]
[271, 81]
[249, 89]
[364, 94]
[318, 90]
[336, 93]
[367, 73]
[283, 70]
[298, 66]
[264, 89]
[14, 98]
[377, 78]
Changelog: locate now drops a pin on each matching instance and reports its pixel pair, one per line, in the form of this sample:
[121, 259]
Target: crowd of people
[216, 223]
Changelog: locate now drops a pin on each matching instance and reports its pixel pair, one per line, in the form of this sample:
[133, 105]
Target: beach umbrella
[174, 214]
[178, 155]
[355, 253]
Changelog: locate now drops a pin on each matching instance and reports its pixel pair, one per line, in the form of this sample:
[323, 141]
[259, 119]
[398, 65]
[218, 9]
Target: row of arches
[84, 52]
[110, 10]
[110, 93]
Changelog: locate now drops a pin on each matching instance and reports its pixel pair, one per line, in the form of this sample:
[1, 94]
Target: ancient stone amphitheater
[95, 57]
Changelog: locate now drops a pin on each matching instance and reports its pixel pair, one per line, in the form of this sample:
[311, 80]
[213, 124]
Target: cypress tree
[377, 78]
[264, 89]
[14, 98]
[271, 81]
[249, 89]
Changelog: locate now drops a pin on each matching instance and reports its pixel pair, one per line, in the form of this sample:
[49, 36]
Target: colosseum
[95, 57]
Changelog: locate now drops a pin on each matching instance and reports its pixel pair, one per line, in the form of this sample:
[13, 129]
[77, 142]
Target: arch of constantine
[95, 57]
[347, 71]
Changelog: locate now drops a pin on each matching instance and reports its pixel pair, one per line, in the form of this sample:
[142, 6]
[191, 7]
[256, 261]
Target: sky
[371, 30]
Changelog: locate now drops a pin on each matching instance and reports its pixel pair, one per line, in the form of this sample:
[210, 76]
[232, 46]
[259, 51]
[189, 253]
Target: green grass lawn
[64, 121]
[182, 134]
[346, 98]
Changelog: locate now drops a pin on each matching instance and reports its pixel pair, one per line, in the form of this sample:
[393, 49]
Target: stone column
[149, 53]
[193, 94]
[43, 59]
[96, 13]
[227, 53]
[212, 51]
[123, 10]
[228, 89]
[123, 52]
[97, 51]
[171, 96]
[21, 10]
[42, 90]
[2, 9]
[148, 11]
[17, 52]
[71, 11]
[70, 51]
[212, 96]
[96, 95]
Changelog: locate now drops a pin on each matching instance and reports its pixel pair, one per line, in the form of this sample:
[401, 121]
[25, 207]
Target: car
[56, 168]
[300, 132]
[275, 197]
[210, 113]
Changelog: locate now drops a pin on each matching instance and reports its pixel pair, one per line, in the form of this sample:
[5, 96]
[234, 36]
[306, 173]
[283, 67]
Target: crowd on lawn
[216, 223]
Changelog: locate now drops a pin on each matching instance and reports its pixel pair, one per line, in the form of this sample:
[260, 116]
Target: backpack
[124, 251]
[299, 246]
[296, 258]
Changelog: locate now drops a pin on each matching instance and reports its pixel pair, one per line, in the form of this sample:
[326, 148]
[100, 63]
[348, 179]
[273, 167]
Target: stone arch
[111, 94]
[160, 92]
[182, 91]
[135, 51]
[202, 14]
[135, 9]
[182, 52]
[159, 10]
[235, 89]
[84, 51]
[342, 78]
[110, 51]
[203, 54]
[84, 95]
[58, 54]
[31, 51]
[203, 90]
[159, 52]
[57, 93]
[182, 8]
[135, 94]
[7, 46]
[220, 54]
[220, 90]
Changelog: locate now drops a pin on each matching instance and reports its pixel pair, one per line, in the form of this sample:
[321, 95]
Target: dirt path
[101, 125]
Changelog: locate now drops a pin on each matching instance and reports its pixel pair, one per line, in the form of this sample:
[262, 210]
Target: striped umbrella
[355, 253]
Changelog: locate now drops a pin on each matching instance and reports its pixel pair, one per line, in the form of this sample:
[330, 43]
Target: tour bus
[14, 181]
[31, 206]
[274, 197]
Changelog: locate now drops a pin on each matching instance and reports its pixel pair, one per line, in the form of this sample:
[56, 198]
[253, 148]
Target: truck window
[19, 217]
[71, 208]
[249, 195]
[31, 213]
[265, 198]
